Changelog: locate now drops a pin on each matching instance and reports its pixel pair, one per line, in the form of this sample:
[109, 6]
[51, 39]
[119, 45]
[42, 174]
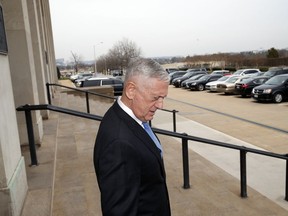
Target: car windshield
[197, 76]
[193, 70]
[223, 78]
[232, 79]
[247, 80]
[172, 73]
[276, 80]
[269, 73]
[203, 78]
[238, 72]
[188, 74]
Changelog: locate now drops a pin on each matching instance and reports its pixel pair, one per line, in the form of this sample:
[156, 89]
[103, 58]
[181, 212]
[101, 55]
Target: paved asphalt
[262, 124]
[237, 121]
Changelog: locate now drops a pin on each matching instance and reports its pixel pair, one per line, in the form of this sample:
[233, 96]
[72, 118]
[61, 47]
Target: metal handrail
[185, 138]
[86, 92]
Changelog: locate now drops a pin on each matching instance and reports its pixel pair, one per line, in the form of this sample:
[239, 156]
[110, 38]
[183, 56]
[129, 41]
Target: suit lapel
[139, 132]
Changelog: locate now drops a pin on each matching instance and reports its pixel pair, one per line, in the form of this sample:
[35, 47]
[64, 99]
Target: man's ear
[130, 90]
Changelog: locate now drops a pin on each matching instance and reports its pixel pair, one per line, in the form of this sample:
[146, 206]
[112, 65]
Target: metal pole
[87, 102]
[48, 93]
[31, 140]
[286, 185]
[95, 68]
[243, 173]
[174, 120]
[185, 163]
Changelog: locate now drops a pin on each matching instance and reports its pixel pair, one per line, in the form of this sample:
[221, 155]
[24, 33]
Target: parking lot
[262, 124]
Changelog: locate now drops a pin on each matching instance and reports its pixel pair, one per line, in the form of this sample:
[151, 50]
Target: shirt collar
[129, 111]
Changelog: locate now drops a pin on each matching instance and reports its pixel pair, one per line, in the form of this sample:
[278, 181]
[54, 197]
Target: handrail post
[31, 140]
[185, 157]
[243, 173]
[174, 120]
[87, 102]
[48, 93]
[286, 185]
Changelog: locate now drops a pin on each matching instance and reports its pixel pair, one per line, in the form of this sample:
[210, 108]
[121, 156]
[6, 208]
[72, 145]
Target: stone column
[22, 65]
[13, 181]
[38, 54]
[50, 52]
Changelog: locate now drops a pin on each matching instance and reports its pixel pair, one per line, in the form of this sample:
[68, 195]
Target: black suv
[177, 81]
[275, 89]
[200, 83]
[274, 71]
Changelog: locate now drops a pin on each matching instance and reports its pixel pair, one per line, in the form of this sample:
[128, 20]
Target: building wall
[24, 72]
[13, 182]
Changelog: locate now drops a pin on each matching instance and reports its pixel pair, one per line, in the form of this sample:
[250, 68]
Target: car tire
[201, 87]
[278, 97]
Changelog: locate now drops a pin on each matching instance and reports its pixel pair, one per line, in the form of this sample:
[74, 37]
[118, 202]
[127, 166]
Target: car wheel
[278, 98]
[200, 87]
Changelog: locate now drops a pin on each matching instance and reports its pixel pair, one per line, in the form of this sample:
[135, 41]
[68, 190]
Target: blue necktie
[152, 135]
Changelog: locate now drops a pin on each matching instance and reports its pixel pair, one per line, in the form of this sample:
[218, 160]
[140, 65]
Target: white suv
[249, 72]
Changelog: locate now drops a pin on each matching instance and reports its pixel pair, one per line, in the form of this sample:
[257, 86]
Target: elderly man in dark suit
[128, 163]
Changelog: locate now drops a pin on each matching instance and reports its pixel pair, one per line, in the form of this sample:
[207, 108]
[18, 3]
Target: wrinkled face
[147, 97]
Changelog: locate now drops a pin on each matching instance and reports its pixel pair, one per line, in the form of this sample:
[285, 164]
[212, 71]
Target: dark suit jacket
[129, 168]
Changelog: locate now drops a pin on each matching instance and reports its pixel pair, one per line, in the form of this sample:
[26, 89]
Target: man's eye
[156, 98]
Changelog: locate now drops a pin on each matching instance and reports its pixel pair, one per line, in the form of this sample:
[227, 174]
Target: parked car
[222, 72]
[275, 89]
[197, 69]
[212, 86]
[245, 87]
[244, 72]
[274, 71]
[117, 84]
[176, 74]
[200, 83]
[177, 81]
[117, 73]
[78, 76]
[228, 86]
[170, 70]
[186, 83]
[81, 78]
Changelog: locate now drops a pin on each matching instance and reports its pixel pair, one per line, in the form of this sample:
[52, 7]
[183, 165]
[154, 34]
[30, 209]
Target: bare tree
[77, 60]
[120, 54]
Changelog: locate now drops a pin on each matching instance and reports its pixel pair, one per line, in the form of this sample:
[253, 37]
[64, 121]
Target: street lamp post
[94, 61]
[95, 65]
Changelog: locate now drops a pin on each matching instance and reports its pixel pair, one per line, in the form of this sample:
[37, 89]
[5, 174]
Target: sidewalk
[264, 174]
[65, 176]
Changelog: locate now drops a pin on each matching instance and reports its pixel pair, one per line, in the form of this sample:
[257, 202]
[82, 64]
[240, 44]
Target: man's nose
[159, 104]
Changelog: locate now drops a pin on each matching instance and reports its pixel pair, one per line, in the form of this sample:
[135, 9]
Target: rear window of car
[88, 83]
[111, 82]
[250, 71]
[107, 82]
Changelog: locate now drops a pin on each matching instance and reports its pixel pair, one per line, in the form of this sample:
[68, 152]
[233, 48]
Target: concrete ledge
[12, 198]
[103, 90]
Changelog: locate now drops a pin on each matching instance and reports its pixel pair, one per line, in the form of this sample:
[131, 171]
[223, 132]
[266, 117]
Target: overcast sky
[168, 27]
